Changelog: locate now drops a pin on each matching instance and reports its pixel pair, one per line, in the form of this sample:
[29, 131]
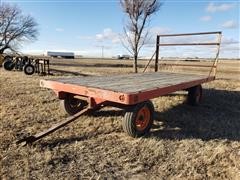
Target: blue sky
[87, 27]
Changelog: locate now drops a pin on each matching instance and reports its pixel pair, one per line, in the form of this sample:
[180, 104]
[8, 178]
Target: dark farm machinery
[26, 64]
[131, 92]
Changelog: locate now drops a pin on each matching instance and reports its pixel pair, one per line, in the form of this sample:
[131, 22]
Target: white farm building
[69, 55]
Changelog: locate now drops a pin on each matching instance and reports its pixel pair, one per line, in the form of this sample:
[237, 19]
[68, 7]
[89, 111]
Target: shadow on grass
[108, 113]
[68, 72]
[96, 65]
[73, 139]
[218, 117]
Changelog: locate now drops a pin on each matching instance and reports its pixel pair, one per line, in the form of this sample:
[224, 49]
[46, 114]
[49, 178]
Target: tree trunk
[135, 69]
[1, 51]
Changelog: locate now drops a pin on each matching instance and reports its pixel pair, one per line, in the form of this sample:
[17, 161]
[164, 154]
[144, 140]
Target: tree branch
[15, 28]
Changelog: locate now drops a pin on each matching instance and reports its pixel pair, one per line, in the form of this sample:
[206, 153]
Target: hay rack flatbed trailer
[131, 92]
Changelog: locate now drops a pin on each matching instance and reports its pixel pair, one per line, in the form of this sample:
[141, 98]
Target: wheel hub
[29, 69]
[75, 102]
[143, 118]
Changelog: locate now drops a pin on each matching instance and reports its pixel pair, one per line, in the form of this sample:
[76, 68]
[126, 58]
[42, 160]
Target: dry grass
[186, 142]
[227, 69]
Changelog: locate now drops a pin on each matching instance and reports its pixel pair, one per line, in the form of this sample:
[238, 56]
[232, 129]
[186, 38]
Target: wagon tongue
[26, 140]
[31, 139]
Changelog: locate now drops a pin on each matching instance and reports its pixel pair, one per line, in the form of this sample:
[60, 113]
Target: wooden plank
[133, 81]
[144, 87]
[100, 80]
[94, 79]
[125, 80]
[148, 84]
[157, 78]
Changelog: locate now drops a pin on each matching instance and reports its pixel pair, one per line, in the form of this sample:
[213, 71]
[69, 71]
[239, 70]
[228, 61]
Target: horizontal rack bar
[188, 44]
[192, 65]
[190, 34]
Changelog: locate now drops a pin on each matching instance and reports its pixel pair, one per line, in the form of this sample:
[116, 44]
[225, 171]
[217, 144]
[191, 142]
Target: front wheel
[139, 119]
[72, 105]
[29, 69]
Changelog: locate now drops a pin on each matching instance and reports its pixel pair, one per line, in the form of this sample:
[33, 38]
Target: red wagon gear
[131, 92]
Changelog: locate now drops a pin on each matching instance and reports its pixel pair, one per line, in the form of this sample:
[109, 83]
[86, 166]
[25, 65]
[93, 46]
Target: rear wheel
[8, 65]
[194, 95]
[72, 105]
[139, 119]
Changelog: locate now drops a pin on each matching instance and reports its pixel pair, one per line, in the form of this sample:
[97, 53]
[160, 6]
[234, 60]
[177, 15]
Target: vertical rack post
[217, 54]
[157, 53]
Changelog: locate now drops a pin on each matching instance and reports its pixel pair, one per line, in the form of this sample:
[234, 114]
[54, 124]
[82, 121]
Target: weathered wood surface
[131, 83]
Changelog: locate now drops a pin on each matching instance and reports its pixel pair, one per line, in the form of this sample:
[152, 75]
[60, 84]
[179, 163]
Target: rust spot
[135, 99]
[92, 91]
[121, 98]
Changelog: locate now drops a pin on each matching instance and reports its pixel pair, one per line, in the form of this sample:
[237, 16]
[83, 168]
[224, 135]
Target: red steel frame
[96, 96]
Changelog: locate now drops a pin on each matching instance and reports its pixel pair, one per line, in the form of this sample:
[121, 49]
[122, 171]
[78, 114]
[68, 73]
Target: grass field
[227, 69]
[185, 143]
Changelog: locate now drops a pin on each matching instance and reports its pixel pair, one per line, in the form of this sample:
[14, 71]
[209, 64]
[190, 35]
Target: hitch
[33, 138]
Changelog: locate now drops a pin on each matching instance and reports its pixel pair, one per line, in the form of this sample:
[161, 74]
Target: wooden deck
[143, 85]
[132, 83]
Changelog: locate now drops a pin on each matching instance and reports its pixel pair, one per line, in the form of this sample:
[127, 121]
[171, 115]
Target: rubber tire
[128, 122]
[68, 108]
[8, 65]
[26, 69]
[194, 95]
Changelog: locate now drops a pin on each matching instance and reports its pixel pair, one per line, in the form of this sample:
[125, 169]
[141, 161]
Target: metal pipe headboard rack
[217, 43]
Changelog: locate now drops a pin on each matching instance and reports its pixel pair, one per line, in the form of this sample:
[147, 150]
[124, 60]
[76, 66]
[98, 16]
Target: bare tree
[139, 13]
[15, 27]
